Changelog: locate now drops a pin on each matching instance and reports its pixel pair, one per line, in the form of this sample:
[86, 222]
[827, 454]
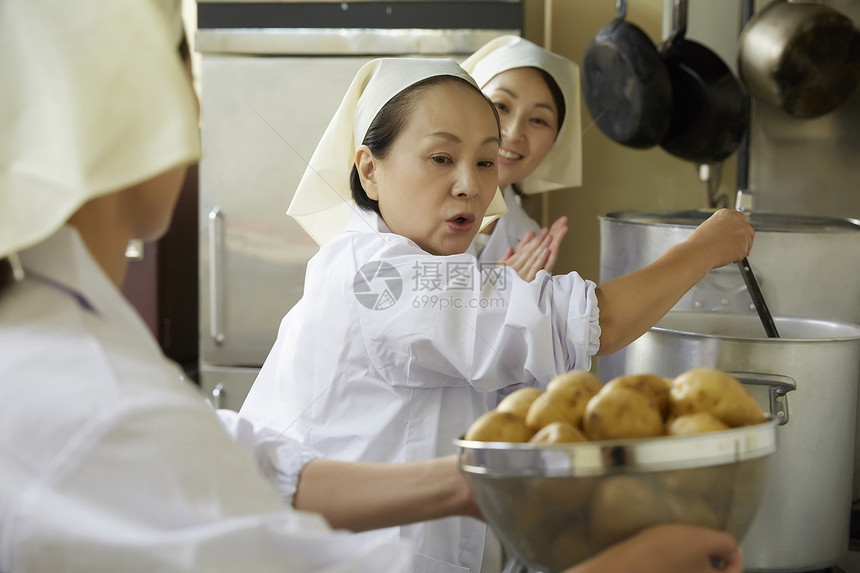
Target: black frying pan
[708, 117]
[625, 84]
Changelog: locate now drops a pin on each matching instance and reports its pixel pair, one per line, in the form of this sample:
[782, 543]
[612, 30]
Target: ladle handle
[758, 299]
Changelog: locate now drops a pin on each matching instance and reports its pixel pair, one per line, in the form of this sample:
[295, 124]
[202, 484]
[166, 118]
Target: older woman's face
[439, 178]
[529, 121]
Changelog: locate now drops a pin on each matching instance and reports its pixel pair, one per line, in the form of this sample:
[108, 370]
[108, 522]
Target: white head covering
[323, 200]
[94, 99]
[562, 166]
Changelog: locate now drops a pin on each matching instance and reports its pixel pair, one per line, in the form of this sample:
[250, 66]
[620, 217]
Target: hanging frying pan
[803, 57]
[625, 84]
[708, 116]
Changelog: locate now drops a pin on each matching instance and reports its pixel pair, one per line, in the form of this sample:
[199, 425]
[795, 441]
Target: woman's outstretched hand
[536, 252]
[669, 549]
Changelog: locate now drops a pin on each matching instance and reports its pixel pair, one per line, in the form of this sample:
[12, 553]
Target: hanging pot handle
[780, 385]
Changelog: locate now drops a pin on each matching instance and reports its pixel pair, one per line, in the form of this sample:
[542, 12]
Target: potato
[561, 496]
[619, 413]
[717, 392]
[495, 426]
[557, 433]
[694, 481]
[575, 380]
[649, 384]
[559, 405]
[692, 511]
[698, 423]
[622, 506]
[570, 547]
[519, 401]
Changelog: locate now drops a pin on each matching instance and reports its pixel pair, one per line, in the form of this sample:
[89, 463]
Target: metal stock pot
[806, 266]
[813, 369]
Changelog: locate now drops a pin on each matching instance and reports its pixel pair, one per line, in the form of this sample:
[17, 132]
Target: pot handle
[780, 385]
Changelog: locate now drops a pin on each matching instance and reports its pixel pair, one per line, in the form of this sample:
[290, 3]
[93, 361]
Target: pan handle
[621, 9]
[679, 18]
[779, 384]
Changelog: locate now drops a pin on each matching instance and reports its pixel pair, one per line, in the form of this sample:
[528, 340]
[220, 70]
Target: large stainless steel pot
[803, 522]
[806, 266]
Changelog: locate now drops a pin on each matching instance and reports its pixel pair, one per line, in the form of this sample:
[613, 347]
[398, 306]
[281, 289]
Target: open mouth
[509, 154]
[461, 222]
[463, 218]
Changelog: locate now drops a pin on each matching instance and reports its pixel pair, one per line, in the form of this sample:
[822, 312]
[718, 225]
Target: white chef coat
[110, 462]
[400, 381]
[509, 230]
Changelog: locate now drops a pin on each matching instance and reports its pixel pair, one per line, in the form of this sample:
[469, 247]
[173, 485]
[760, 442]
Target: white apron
[109, 461]
[390, 354]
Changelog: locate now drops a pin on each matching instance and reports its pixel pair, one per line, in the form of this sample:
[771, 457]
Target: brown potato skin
[519, 401]
[717, 392]
[697, 423]
[620, 413]
[574, 380]
[649, 384]
[558, 433]
[495, 426]
[560, 405]
[624, 505]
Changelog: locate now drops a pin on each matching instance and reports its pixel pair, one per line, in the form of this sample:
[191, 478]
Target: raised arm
[633, 303]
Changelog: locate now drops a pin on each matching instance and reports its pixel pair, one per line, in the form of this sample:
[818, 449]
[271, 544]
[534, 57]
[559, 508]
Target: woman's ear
[365, 164]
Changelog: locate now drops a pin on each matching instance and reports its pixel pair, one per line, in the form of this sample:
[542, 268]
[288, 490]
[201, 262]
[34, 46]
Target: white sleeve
[166, 489]
[454, 324]
[280, 458]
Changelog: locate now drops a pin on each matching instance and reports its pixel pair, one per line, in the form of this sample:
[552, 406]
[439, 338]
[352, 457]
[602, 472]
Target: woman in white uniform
[389, 354]
[536, 93]
[109, 460]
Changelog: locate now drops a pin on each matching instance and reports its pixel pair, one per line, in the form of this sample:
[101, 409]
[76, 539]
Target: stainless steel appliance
[802, 524]
[272, 75]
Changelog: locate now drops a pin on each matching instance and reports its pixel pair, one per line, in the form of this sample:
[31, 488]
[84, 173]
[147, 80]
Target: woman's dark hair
[557, 97]
[388, 124]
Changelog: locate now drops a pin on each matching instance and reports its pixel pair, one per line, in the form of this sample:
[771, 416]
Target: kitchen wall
[615, 178]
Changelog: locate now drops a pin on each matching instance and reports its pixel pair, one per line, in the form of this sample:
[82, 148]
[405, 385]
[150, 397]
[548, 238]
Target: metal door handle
[215, 332]
[217, 393]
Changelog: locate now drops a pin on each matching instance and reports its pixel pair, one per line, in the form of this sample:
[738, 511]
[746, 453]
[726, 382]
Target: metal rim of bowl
[502, 459]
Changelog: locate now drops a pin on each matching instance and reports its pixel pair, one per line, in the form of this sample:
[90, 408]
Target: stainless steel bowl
[556, 505]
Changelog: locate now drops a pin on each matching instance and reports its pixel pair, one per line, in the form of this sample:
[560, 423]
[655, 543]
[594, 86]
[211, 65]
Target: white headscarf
[323, 200]
[94, 99]
[562, 166]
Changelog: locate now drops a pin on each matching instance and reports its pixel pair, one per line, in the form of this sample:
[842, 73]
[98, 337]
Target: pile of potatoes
[556, 522]
[578, 407]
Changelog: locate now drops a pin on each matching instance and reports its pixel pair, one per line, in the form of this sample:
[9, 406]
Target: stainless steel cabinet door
[261, 118]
